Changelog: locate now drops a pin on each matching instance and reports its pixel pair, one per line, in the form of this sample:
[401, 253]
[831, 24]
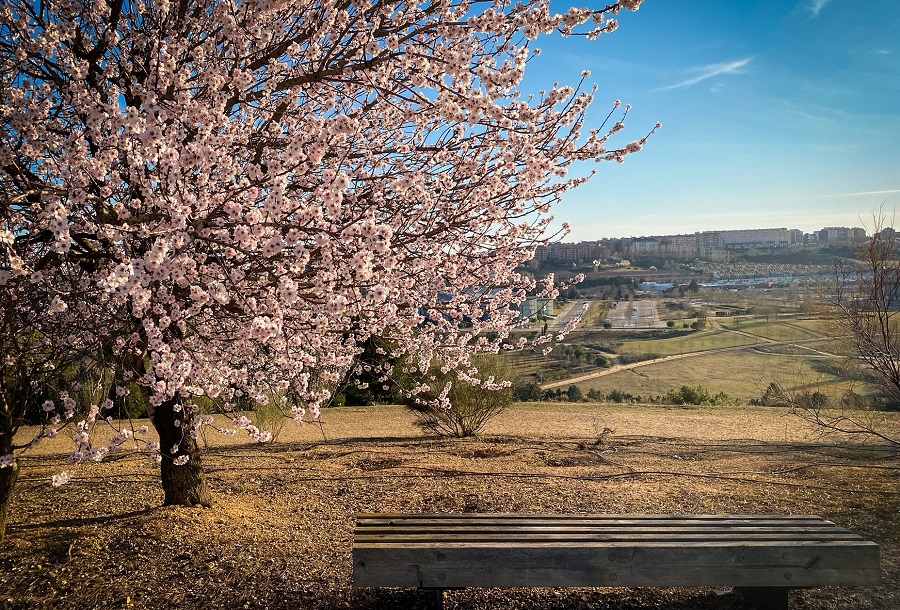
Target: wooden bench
[761, 556]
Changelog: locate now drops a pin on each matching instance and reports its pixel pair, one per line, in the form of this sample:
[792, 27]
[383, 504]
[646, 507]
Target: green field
[795, 352]
[781, 330]
[695, 342]
[748, 331]
[743, 375]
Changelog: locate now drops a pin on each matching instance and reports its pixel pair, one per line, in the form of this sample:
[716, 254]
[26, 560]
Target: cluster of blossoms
[252, 190]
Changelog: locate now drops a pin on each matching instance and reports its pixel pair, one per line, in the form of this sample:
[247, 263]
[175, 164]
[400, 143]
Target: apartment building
[582, 252]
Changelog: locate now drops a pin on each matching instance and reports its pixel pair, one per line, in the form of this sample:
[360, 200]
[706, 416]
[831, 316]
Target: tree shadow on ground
[79, 522]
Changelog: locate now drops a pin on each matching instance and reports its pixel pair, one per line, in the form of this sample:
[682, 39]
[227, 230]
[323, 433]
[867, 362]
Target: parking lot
[635, 314]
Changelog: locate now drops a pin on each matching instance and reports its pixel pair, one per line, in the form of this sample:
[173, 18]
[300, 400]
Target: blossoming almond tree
[257, 187]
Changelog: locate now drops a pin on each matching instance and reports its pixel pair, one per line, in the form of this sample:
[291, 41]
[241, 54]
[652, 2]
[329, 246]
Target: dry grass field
[279, 534]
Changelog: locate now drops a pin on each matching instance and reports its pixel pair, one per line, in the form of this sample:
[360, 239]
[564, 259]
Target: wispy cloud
[701, 73]
[815, 7]
[816, 115]
[864, 193]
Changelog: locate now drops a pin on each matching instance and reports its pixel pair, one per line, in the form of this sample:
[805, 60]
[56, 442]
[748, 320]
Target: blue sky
[775, 113]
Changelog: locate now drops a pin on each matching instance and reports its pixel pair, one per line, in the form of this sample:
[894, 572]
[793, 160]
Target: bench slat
[401, 525]
[623, 537]
[658, 565]
[436, 546]
[581, 517]
[585, 527]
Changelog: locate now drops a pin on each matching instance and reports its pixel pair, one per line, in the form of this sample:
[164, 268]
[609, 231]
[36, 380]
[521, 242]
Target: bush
[528, 392]
[610, 347]
[670, 323]
[774, 396]
[852, 400]
[366, 383]
[471, 406]
[630, 358]
[620, 396]
[695, 395]
[617, 396]
[574, 393]
[269, 418]
[814, 401]
[94, 386]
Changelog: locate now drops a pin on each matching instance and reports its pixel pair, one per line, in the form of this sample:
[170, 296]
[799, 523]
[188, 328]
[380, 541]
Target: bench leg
[765, 598]
[437, 602]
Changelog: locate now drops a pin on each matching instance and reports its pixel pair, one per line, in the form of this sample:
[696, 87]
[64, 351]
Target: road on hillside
[569, 312]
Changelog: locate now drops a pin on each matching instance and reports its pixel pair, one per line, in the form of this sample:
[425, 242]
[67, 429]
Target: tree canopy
[232, 197]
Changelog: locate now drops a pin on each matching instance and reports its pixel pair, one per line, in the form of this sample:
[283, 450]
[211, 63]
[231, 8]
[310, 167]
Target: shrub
[774, 396]
[620, 396]
[269, 418]
[528, 392]
[630, 358]
[471, 406]
[813, 401]
[610, 347]
[574, 393]
[695, 395]
[852, 400]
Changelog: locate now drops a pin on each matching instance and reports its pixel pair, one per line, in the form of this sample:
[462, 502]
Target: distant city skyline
[774, 113]
[864, 220]
[858, 225]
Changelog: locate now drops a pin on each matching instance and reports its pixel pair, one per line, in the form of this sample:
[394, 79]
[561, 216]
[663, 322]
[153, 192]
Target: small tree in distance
[574, 394]
[865, 307]
[472, 404]
[863, 304]
[850, 415]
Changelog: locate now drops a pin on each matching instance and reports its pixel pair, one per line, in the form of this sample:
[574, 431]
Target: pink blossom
[58, 480]
[57, 305]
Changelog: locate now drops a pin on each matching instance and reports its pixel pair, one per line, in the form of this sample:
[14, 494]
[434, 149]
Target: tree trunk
[8, 477]
[184, 485]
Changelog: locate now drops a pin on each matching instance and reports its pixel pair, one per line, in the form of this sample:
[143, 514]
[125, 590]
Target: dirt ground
[280, 533]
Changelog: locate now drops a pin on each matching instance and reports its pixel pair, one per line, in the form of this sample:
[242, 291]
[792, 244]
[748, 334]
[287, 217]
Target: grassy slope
[695, 342]
[743, 375]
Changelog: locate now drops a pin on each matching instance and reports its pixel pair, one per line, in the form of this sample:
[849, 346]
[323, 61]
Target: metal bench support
[765, 598]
